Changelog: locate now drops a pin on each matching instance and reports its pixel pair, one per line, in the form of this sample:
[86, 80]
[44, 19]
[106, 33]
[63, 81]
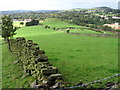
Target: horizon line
[54, 9]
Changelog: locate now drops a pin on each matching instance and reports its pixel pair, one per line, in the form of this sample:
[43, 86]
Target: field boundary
[36, 64]
[68, 29]
[95, 35]
[86, 84]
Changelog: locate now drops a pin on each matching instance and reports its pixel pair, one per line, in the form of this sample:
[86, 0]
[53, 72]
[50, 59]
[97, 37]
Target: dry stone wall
[35, 63]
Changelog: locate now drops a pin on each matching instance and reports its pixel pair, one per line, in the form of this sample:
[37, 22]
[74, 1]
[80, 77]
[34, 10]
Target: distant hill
[13, 12]
[22, 11]
[95, 8]
[85, 9]
[49, 11]
[102, 8]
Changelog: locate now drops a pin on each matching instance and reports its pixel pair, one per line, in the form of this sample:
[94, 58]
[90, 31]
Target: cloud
[88, 3]
[27, 4]
[52, 4]
[88, 0]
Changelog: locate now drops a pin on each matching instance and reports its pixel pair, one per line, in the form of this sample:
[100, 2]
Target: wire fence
[86, 84]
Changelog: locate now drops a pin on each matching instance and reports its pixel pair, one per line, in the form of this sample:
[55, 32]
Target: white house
[115, 25]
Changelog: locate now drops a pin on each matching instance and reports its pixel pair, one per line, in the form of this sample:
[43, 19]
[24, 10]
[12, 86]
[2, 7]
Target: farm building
[115, 25]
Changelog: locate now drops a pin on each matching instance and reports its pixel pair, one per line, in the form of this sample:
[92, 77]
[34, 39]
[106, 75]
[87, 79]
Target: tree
[46, 26]
[68, 31]
[21, 23]
[7, 28]
[54, 28]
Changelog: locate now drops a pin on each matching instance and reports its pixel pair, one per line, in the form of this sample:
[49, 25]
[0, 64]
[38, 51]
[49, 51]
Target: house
[27, 20]
[114, 17]
[115, 25]
[105, 17]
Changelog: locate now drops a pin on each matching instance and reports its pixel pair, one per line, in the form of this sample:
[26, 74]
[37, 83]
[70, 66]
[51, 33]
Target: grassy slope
[12, 73]
[78, 58]
[52, 22]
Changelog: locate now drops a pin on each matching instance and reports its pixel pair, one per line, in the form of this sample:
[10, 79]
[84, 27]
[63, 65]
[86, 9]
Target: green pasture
[78, 58]
[84, 31]
[53, 22]
[87, 31]
[56, 23]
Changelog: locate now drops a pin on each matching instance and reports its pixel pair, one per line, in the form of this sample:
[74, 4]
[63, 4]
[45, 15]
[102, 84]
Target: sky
[54, 4]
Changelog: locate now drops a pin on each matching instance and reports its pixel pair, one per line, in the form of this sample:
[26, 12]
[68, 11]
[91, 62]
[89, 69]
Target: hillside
[77, 57]
[95, 8]
[102, 8]
[75, 41]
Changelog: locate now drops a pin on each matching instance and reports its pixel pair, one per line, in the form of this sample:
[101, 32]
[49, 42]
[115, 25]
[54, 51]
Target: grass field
[52, 22]
[17, 23]
[12, 74]
[56, 23]
[77, 57]
[87, 31]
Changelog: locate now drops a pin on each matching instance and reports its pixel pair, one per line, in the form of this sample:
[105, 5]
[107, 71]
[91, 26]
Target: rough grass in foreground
[12, 74]
[0, 63]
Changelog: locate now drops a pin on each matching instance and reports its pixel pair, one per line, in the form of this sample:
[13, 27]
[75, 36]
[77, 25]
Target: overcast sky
[54, 4]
